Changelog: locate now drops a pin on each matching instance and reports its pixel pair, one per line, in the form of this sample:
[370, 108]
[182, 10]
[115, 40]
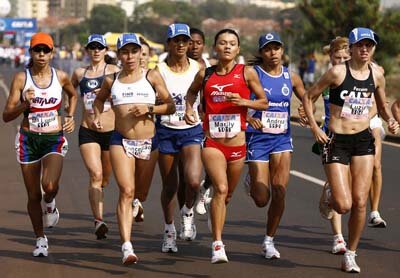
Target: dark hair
[144, 42]
[229, 31]
[199, 32]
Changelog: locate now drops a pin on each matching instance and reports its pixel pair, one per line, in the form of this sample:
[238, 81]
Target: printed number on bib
[274, 122]
[88, 100]
[44, 122]
[140, 149]
[356, 108]
[224, 125]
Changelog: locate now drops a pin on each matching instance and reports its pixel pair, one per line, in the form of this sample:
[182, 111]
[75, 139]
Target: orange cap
[41, 38]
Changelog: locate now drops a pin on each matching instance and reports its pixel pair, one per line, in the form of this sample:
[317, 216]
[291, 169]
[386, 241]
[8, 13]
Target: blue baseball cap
[361, 33]
[268, 38]
[97, 38]
[177, 29]
[128, 38]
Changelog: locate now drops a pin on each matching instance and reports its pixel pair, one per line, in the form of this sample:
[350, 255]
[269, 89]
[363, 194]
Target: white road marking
[307, 177]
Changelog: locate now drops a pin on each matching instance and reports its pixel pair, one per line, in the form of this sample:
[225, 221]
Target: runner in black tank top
[349, 141]
[94, 144]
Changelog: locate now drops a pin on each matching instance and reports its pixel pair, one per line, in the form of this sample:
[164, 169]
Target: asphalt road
[303, 238]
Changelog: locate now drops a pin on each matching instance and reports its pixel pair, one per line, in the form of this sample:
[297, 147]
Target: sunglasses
[44, 49]
[95, 46]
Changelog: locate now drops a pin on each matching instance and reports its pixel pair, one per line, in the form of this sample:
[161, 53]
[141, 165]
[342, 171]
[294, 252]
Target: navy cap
[361, 33]
[128, 38]
[177, 29]
[97, 38]
[268, 38]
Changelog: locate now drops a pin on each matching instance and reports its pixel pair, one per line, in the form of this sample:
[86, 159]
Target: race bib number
[140, 149]
[274, 122]
[43, 122]
[356, 108]
[88, 100]
[224, 125]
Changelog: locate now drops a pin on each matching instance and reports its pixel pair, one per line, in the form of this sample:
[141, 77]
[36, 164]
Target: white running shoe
[100, 229]
[50, 219]
[349, 262]
[42, 246]
[338, 246]
[269, 250]
[375, 220]
[137, 210]
[324, 207]
[128, 255]
[169, 242]
[188, 228]
[246, 184]
[218, 254]
[201, 199]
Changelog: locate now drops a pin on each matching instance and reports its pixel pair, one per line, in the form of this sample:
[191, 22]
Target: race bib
[224, 125]
[88, 100]
[274, 122]
[140, 149]
[356, 108]
[43, 122]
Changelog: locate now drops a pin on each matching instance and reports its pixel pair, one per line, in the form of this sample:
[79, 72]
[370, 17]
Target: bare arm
[381, 104]
[330, 78]
[167, 105]
[69, 89]
[396, 110]
[14, 107]
[101, 97]
[261, 101]
[191, 96]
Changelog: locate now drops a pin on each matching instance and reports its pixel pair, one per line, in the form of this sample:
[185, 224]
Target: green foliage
[106, 18]
[326, 19]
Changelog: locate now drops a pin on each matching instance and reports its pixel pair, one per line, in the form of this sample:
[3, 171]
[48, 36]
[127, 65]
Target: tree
[326, 19]
[106, 18]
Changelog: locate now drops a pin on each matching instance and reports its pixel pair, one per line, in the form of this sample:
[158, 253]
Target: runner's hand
[191, 117]
[320, 136]
[139, 110]
[255, 123]
[97, 124]
[29, 94]
[69, 124]
[393, 126]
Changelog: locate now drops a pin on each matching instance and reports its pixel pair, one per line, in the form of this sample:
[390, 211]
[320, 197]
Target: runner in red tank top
[226, 99]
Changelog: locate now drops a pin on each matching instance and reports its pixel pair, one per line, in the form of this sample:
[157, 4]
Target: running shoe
[50, 218]
[100, 229]
[218, 254]
[324, 207]
[128, 255]
[246, 184]
[202, 197]
[338, 246]
[188, 228]
[375, 220]
[169, 242]
[42, 246]
[137, 211]
[349, 262]
[269, 250]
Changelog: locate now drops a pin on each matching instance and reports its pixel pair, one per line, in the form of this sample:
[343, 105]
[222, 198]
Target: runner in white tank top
[179, 143]
[133, 147]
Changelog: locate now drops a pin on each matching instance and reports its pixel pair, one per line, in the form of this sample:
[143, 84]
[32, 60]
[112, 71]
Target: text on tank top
[222, 118]
[139, 92]
[86, 87]
[278, 90]
[178, 85]
[354, 96]
[46, 105]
